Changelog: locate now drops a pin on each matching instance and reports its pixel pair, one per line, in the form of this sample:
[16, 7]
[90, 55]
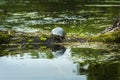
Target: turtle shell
[58, 31]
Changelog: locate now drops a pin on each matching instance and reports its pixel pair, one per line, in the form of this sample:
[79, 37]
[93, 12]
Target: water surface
[65, 63]
[60, 68]
[74, 16]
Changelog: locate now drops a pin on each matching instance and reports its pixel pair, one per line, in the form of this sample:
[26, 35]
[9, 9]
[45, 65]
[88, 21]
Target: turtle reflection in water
[58, 50]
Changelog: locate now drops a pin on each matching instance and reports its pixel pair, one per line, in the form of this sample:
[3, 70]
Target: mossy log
[108, 37]
[111, 34]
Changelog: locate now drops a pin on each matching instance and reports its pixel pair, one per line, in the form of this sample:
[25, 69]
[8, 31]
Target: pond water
[71, 62]
[60, 63]
[73, 15]
[59, 68]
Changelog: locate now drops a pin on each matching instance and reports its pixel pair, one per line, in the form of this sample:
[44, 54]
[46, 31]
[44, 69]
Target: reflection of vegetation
[14, 50]
[94, 55]
[104, 71]
[88, 51]
[98, 66]
[101, 71]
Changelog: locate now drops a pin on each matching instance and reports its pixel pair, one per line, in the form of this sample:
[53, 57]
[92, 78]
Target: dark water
[73, 15]
[60, 63]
